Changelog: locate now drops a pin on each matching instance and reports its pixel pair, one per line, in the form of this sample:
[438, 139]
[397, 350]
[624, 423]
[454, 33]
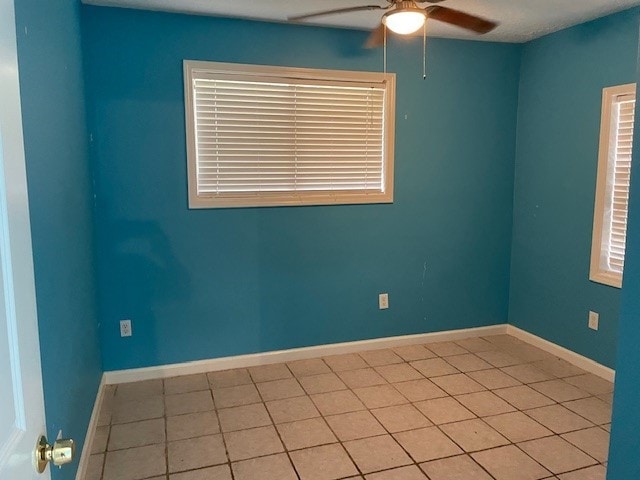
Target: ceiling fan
[405, 17]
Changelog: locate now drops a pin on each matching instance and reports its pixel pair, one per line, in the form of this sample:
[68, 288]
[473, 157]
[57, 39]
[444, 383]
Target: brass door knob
[60, 453]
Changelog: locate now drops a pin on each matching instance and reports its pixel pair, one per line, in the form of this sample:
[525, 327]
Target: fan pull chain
[384, 56]
[424, 51]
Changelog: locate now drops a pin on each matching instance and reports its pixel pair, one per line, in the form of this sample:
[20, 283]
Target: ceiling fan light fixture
[405, 19]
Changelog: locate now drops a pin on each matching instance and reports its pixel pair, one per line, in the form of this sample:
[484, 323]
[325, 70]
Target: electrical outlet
[125, 328]
[594, 319]
[383, 301]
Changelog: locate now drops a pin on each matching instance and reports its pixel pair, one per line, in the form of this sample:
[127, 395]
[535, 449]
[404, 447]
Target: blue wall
[60, 197]
[561, 85]
[210, 283]
[624, 462]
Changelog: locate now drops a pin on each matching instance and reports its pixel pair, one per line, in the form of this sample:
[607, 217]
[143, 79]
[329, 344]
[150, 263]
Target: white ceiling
[520, 20]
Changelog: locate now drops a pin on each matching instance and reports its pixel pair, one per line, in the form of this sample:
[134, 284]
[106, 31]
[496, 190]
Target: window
[612, 189]
[270, 136]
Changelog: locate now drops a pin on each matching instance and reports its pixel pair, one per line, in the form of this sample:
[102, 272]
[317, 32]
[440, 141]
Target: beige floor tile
[400, 418]
[493, 379]
[597, 472]
[104, 417]
[267, 373]
[458, 384]
[377, 453]
[593, 441]
[592, 409]
[348, 361]
[292, 409]
[499, 359]
[556, 454]
[380, 396]
[409, 353]
[229, 378]
[518, 427]
[484, 404]
[510, 463]
[137, 434]
[192, 425]
[280, 389]
[364, 377]
[305, 433]
[445, 349]
[559, 390]
[376, 358]
[523, 397]
[475, 344]
[304, 368]
[140, 409]
[186, 383]
[417, 390]
[354, 425]
[468, 362]
[591, 383]
[240, 418]
[427, 444]
[332, 403]
[434, 367]
[191, 402]
[558, 418]
[135, 463]
[138, 390]
[100, 437]
[606, 398]
[474, 435]
[236, 396]
[400, 372]
[607, 427]
[327, 462]
[528, 353]
[94, 467]
[326, 382]
[265, 468]
[410, 472]
[503, 340]
[444, 410]
[527, 373]
[461, 467]
[255, 442]
[220, 472]
[195, 453]
[558, 367]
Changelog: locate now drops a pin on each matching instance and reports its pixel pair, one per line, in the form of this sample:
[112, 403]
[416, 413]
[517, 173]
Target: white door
[21, 400]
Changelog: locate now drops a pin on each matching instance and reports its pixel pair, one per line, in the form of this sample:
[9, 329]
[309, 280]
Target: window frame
[291, 198]
[597, 273]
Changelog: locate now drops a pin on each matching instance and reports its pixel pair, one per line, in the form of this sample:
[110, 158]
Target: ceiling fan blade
[376, 37]
[338, 10]
[460, 19]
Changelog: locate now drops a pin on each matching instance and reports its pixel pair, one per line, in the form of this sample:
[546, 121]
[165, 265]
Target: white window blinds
[612, 189]
[618, 179]
[273, 136]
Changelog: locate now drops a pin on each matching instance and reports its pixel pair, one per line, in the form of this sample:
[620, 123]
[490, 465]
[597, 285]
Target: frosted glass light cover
[404, 22]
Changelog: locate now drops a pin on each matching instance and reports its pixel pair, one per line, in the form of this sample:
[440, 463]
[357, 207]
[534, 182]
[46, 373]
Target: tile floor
[476, 409]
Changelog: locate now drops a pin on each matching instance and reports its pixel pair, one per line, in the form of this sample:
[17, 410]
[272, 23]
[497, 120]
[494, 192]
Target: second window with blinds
[272, 136]
[612, 189]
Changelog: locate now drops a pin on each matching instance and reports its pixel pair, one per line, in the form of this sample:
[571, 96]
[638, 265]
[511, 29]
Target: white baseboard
[91, 431]
[570, 356]
[241, 361]
[251, 360]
